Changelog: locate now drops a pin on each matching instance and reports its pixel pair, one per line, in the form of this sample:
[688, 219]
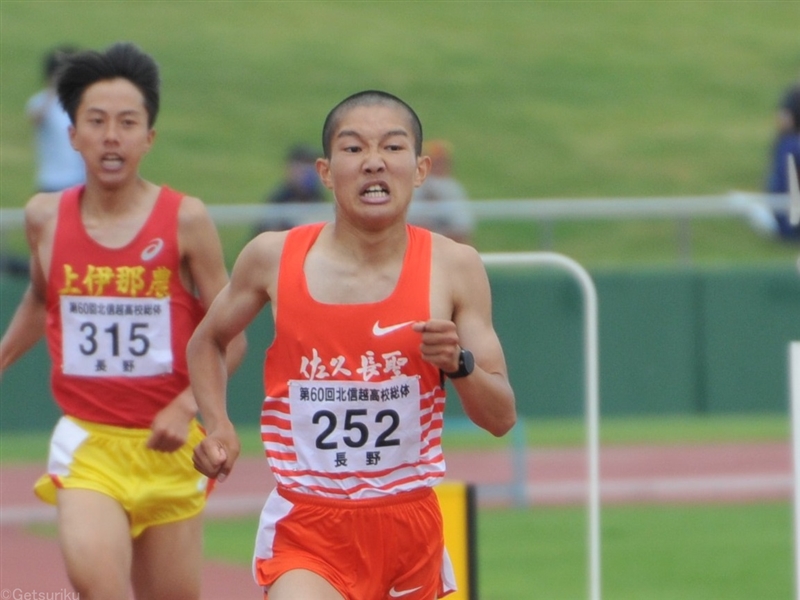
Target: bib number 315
[116, 337]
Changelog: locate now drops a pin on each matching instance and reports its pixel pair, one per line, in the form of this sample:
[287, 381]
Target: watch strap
[466, 365]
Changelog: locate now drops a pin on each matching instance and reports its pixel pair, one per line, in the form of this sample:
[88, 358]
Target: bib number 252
[356, 428]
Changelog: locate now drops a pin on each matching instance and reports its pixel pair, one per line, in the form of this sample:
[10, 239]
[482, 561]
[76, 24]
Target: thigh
[300, 584]
[95, 541]
[167, 561]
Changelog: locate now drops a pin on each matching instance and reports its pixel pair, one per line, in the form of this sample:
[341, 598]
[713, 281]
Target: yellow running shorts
[153, 487]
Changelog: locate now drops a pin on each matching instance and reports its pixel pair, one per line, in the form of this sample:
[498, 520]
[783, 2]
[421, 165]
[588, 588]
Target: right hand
[215, 454]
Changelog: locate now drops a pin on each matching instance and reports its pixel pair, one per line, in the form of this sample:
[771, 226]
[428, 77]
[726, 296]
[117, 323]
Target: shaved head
[368, 98]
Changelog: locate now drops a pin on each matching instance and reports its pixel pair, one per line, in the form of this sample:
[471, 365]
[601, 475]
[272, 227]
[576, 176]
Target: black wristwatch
[466, 364]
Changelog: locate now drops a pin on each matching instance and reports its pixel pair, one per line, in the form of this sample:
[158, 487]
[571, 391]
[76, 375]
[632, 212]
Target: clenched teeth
[375, 190]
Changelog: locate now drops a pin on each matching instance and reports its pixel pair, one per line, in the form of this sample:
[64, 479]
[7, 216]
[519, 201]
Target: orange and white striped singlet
[351, 409]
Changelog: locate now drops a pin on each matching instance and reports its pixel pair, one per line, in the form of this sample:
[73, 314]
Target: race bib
[352, 426]
[116, 337]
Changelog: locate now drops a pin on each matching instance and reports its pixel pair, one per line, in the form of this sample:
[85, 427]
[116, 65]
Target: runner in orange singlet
[122, 271]
[371, 314]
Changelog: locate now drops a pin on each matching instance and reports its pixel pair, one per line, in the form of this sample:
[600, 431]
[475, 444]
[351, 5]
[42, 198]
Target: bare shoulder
[265, 248]
[199, 240]
[261, 255]
[41, 215]
[454, 257]
[458, 277]
[256, 267]
[42, 209]
[193, 210]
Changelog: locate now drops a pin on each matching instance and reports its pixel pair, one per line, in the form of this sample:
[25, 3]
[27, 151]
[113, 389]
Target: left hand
[170, 428]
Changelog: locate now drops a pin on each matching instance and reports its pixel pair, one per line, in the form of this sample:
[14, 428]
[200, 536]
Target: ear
[71, 132]
[423, 168]
[323, 166]
[151, 137]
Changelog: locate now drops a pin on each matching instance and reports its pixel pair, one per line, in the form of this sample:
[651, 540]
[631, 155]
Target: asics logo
[400, 593]
[152, 249]
[379, 331]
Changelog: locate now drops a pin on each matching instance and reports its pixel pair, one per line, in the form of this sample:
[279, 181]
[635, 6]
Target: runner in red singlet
[122, 270]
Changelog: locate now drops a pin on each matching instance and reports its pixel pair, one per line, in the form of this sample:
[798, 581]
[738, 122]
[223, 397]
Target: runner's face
[111, 130]
[373, 168]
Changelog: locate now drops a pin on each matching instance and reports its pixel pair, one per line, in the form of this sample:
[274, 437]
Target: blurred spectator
[301, 184]
[451, 215]
[58, 164]
[787, 142]
[14, 265]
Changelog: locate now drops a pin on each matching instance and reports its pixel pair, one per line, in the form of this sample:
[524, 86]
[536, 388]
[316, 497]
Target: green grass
[541, 100]
[667, 552]
[649, 553]
[552, 432]
[736, 552]
[21, 447]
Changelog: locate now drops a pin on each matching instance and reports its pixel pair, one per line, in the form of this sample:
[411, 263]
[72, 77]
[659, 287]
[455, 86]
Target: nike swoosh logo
[378, 331]
[400, 593]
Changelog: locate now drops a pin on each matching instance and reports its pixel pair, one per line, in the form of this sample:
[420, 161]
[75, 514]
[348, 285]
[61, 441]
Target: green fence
[671, 341]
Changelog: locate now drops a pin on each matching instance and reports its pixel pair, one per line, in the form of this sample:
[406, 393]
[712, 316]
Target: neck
[369, 246]
[118, 199]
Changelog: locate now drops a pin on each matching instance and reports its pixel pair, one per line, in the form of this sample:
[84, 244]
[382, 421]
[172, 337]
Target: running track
[629, 474]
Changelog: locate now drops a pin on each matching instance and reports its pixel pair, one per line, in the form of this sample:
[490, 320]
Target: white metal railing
[794, 411]
[749, 206]
[733, 204]
[591, 368]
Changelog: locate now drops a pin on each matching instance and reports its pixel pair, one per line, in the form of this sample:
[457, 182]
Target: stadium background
[611, 99]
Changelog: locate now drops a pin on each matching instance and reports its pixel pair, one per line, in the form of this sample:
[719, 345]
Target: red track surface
[630, 474]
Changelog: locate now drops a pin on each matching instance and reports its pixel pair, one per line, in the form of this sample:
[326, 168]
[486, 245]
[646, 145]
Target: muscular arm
[203, 271]
[204, 258]
[486, 394]
[231, 312]
[25, 329]
[27, 326]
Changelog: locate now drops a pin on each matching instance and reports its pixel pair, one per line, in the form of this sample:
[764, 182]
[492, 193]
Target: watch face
[468, 362]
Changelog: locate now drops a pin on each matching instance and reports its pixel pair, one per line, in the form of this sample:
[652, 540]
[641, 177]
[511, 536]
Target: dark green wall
[671, 341]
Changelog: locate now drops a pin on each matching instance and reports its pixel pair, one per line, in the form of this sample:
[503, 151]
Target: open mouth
[375, 192]
[111, 162]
